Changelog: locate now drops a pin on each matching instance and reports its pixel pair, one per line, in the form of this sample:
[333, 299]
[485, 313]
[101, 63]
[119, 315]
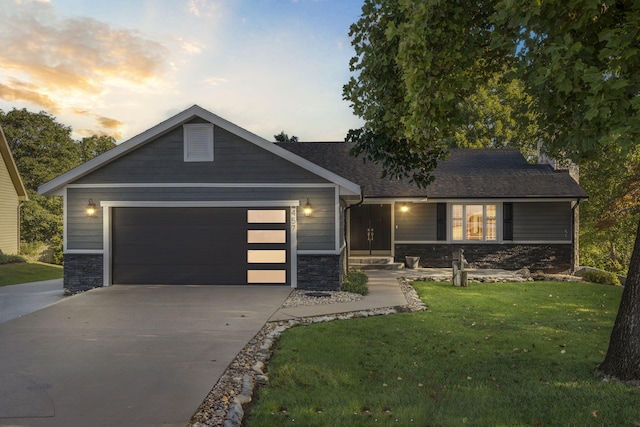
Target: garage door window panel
[260, 256]
[267, 276]
[266, 236]
[266, 216]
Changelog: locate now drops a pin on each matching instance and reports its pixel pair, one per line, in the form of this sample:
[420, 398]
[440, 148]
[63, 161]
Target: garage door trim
[107, 227]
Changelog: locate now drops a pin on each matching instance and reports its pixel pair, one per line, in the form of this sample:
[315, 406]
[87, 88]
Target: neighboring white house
[12, 194]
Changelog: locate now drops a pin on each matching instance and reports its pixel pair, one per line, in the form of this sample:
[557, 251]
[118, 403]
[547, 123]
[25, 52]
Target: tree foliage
[406, 90]
[608, 221]
[580, 59]
[283, 137]
[499, 114]
[418, 62]
[95, 145]
[44, 149]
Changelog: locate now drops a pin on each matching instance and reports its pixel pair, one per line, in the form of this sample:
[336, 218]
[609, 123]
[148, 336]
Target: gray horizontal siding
[235, 160]
[418, 224]
[549, 221]
[314, 233]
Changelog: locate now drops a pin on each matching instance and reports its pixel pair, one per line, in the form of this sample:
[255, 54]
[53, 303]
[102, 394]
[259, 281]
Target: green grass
[486, 355]
[11, 274]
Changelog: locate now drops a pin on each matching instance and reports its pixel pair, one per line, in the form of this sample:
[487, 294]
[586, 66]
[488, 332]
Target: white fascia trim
[85, 251]
[203, 185]
[391, 200]
[106, 244]
[503, 200]
[338, 220]
[64, 221]
[539, 242]
[197, 204]
[293, 260]
[50, 187]
[319, 252]
[486, 242]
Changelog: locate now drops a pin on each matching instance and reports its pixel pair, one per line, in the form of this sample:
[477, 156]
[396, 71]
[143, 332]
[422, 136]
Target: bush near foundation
[355, 281]
[11, 259]
[603, 277]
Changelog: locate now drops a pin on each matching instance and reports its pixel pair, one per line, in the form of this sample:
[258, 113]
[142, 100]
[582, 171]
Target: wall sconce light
[404, 208]
[91, 209]
[307, 209]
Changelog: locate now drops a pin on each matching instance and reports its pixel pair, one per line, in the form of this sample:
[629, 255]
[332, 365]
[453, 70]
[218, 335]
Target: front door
[370, 229]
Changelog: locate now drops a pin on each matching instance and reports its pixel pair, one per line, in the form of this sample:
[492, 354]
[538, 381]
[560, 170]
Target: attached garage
[197, 200]
[200, 245]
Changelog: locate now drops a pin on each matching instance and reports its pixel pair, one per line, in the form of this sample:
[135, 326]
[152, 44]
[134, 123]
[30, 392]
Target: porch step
[374, 263]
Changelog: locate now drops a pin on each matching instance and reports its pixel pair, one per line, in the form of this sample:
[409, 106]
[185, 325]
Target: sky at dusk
[119, 67]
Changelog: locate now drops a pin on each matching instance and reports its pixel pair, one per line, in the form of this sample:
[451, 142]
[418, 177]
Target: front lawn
[11, 274]
[490, 354]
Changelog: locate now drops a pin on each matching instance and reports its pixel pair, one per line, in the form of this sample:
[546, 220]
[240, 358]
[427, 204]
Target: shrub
[50, 253]
[599, 276]
[11, 259]
[355, 281]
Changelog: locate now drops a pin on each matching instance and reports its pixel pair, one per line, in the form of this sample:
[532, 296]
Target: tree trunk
[623, 356]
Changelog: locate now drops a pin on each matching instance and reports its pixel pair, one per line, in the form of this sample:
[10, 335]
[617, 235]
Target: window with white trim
[474, 222]
[198, 142]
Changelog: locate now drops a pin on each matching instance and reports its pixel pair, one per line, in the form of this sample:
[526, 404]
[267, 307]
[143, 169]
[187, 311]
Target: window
[474, 222]
[198, 142]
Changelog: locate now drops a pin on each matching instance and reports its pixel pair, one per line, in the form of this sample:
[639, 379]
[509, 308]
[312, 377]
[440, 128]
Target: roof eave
[14, 174]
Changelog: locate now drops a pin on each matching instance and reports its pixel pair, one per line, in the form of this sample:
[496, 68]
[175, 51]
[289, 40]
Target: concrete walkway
[384, 291]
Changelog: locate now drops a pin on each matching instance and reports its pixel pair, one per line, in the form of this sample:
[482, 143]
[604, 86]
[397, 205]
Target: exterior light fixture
[91, 209]
[404, 208]
[307, 209]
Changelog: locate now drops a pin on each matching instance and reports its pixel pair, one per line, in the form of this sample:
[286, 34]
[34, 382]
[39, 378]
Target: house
[198, 200]
[12, 195]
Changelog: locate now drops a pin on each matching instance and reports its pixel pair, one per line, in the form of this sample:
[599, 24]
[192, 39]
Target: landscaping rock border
[225, 403]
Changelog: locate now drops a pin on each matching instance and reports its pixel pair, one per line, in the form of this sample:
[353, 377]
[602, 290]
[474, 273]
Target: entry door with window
[370, 229]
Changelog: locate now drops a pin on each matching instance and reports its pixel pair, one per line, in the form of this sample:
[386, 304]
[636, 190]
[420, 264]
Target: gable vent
[198, 142]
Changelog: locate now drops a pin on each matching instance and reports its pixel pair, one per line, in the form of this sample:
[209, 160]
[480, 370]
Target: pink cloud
[49, 60]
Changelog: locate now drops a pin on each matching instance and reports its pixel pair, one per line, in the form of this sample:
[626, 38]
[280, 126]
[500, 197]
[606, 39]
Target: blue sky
[118, 67]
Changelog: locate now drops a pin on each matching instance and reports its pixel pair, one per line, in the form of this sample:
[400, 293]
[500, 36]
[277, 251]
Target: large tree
[417, 62]
[43, 149]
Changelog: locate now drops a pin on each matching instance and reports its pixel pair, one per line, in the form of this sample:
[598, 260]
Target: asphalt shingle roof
[466, 173]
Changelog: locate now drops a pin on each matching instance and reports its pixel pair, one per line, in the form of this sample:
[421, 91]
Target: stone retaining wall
[543, 257]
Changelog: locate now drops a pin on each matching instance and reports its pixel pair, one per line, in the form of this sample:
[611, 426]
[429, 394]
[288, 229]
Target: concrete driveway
[18, 300]
[126, 355]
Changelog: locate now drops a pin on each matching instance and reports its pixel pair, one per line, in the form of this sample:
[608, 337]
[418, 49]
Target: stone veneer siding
[82, 272]
[546, 257]
[320, 272]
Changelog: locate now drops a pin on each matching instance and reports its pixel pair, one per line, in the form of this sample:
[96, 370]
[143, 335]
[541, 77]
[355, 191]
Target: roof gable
[54, 186]
[7, 158]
